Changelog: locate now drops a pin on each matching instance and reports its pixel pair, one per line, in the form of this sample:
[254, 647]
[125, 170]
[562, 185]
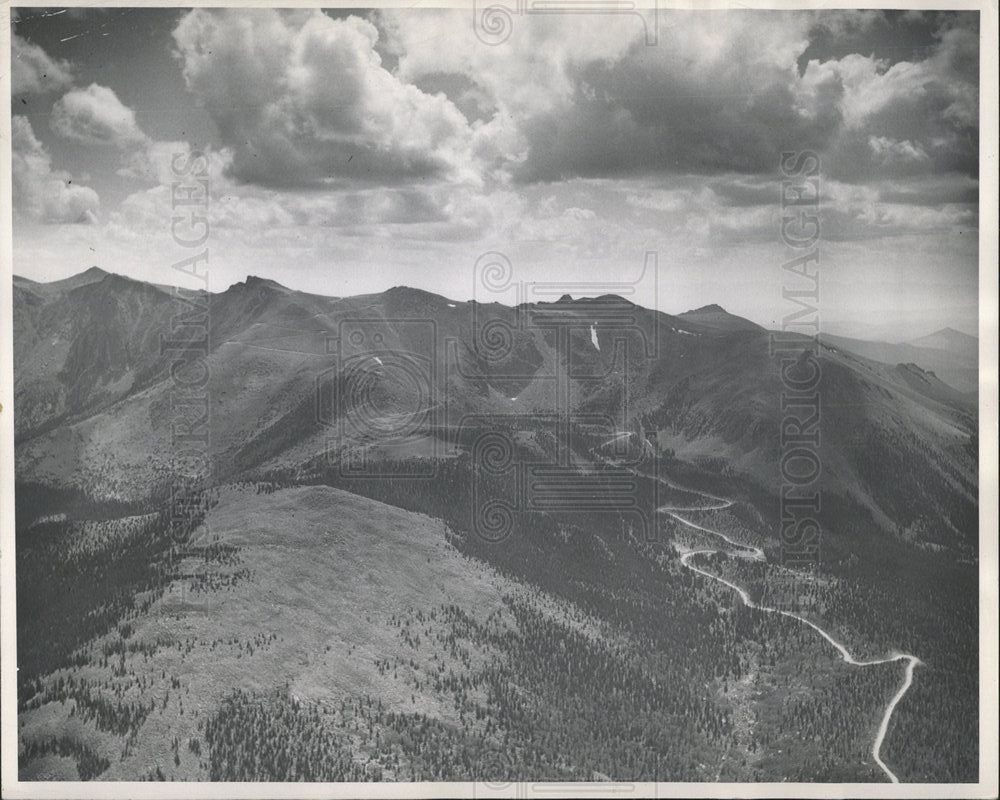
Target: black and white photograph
[530, 398]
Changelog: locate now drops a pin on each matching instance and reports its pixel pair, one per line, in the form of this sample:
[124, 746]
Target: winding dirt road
[756, 554]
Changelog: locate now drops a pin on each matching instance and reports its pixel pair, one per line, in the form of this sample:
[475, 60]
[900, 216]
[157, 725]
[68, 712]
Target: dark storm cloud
[869, 118]
[911, 118]
[304, 100]
[634, 117]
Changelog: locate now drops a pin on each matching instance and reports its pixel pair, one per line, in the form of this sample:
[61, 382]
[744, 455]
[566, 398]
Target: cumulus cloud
[721, 93]
[303, 100]
[155, 161]
[531, 73]
[406, 125]
[503, 88]
[911, 117]
[844, 22]
[95, 116]
[585, 96]
[33, 71]
[437, 213]
[891, 151]
[734, 209]
[41, 194]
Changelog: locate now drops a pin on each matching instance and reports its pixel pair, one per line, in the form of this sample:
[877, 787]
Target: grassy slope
[328, 571]
[328, 588]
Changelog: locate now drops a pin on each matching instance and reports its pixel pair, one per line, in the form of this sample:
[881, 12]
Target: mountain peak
[950, 340]
[712, 308]
[953, 334]
[715, 317]
[256, 282]
[412, 294]
[101, 281]
[89, 276]
[612, 298]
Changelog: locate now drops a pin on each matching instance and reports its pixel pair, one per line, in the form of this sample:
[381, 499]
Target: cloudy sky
[353, 151]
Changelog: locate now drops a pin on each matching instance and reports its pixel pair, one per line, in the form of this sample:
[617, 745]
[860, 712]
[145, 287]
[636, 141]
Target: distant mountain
[92, 275]
[951, 341]
[292, 374]
[83, 343]
[716, 317]
[952, 356]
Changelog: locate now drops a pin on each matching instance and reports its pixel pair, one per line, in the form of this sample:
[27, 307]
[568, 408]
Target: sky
[355, 150]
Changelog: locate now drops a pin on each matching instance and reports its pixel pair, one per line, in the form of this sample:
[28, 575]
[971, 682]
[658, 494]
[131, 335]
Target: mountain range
[951, 355]
[230, 565]
[290, 372]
